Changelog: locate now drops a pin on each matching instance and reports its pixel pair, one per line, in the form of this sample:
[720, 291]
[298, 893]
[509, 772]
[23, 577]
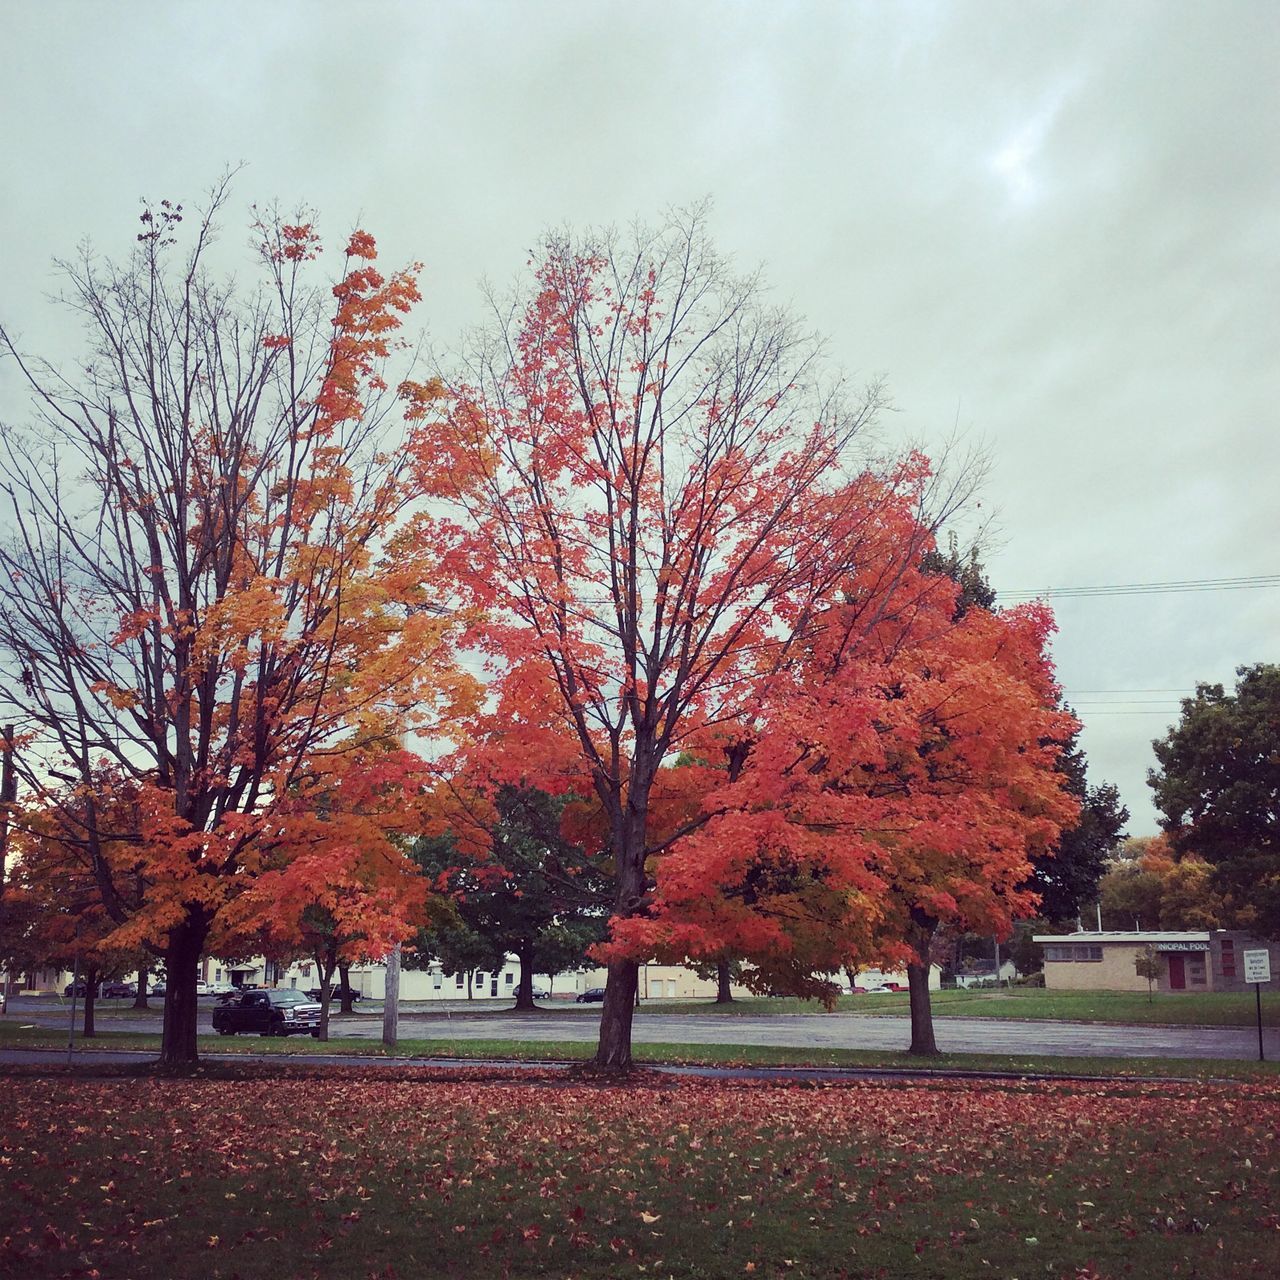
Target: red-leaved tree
[895, 778]
[194, 592]
[652, 502]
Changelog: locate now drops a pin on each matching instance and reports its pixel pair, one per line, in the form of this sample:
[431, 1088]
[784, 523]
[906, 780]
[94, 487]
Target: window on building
[511, 978]
[480, 978]
[1195, 971]
[1228, 958]
[460, 982]
[1073, 951]
[436, 982]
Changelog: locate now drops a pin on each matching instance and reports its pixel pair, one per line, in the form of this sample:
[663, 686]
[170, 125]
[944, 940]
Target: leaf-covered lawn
[350, 1175]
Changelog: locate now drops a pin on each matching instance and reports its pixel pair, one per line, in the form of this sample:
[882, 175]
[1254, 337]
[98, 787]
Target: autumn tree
[1065, 876]
[898, 780]
[1129, 893]
[193, 582]
[340, 887]
[1217, 787]
[1151, 887]
[55, 909]
[651, 498]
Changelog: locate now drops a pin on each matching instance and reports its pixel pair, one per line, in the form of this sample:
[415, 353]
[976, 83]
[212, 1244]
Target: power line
[1248, 583]
[1124, 702]
[1179, 689]
[1167, 715]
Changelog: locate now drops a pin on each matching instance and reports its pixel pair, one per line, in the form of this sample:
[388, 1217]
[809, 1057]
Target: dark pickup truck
[269, 1013]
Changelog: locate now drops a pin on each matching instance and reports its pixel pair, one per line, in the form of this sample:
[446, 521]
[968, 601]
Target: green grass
[343, 1175]
[301, 1048]
[1224, 1009]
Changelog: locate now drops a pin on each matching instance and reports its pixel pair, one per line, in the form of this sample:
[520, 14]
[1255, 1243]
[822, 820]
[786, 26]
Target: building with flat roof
[1190, 959]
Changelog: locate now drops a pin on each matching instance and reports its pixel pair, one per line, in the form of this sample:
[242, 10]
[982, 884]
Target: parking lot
[458, 1021]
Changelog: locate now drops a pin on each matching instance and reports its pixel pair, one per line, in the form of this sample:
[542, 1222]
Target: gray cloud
[1055, 223]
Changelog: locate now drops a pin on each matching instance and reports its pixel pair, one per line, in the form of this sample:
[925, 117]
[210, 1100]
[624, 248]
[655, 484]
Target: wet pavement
[803, 1031]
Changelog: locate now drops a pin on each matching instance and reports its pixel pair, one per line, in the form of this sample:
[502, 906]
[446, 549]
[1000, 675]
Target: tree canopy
[1217, 787]
[195, 596]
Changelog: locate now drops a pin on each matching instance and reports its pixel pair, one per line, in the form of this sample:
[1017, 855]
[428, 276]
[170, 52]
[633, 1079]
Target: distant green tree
[535, 894]
[1027, 955]
[1130, 895]
[1067, 877]
[965, 569]
[463, 950]
[724, 972]
[1217, 787]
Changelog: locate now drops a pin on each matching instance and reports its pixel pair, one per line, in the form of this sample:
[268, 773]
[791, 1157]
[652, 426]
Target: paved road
[832, 1030]
[854, 1031]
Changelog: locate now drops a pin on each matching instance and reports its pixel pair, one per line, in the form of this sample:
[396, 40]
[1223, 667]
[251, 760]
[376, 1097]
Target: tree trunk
[181, 1011]
[723, 994]
[90, 994]
[140, 999]
[344, 987]
[524, 991]
[470, 994]
[614, 1050]
[922, 1040]
[325, 966]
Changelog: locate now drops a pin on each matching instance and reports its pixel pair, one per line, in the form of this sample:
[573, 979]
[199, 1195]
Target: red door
[1177, 974]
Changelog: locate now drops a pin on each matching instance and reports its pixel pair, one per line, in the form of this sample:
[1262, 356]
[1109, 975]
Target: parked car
[269, 1013]
[335, 994]
[222, 989]
[158, 988]
[78, 989]
[119, 990]
[202, 988]
[591, 995]
[540, 994]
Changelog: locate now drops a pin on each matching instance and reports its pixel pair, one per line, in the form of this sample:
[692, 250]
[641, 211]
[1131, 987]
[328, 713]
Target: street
[817, 1031]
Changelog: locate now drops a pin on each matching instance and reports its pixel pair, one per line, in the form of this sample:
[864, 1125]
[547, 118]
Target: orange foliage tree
[897, 775]
[195, 590]
[62, 907]
[651, 502]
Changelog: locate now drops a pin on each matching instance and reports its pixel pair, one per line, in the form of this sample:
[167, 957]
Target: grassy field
[301, 1048]
[1225, 1009]
[358, 1176]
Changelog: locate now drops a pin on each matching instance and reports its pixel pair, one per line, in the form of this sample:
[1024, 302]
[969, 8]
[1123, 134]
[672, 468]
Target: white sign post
[1257, 969]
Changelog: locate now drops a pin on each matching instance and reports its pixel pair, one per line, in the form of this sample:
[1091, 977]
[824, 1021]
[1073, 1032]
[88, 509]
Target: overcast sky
[1055, 224]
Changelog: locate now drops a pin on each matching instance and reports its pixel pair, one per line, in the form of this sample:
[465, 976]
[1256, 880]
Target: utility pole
[391, 999]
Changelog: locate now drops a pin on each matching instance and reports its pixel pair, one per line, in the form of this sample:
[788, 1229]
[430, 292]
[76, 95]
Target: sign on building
[1257, 966]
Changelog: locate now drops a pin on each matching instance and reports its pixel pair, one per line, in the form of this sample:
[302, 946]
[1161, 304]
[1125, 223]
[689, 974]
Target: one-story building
[656, 981]
[1190, 959]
